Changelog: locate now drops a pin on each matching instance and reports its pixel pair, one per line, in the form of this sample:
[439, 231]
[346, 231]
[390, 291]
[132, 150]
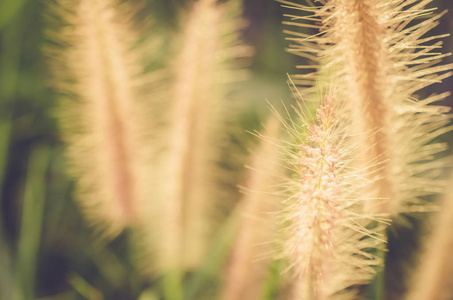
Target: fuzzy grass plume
[98, 67]
[379, 56]
[204, 67]
[326, 237]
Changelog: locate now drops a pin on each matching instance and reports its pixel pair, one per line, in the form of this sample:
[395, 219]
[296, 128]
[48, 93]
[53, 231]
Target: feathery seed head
[315, 207]
[378, 55]
[326, 235]
[102, 116]
[206, 63]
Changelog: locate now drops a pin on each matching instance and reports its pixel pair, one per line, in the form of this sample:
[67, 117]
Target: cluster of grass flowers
[327, 236]
[149, 160]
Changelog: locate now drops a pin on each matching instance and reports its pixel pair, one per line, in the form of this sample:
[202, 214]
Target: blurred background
[46, 250]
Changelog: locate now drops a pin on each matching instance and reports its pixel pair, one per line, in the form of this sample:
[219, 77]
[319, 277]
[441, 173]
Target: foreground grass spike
[247, 268]
[99, 70]
[325, 238]
[360, 36]
[378, 54]
[203, 68]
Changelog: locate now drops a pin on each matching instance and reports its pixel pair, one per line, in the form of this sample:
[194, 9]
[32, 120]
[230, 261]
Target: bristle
[102, 116]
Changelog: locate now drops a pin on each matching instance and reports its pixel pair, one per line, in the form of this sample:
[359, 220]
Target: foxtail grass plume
[378, 54]
[210, 44]
[326, 237]
[247, 268]
[98, 66]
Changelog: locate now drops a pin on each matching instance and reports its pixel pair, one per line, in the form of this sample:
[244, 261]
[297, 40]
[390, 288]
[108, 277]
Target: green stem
[31, 223]
[380, 276]
[173, 285]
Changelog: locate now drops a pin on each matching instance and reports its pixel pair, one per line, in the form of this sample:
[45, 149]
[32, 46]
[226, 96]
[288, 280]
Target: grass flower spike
[378, 54]
[98, 68]
[326, 237]
[203, 69]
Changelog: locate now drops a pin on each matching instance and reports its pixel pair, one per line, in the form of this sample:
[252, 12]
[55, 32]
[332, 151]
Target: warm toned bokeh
[49, 251]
